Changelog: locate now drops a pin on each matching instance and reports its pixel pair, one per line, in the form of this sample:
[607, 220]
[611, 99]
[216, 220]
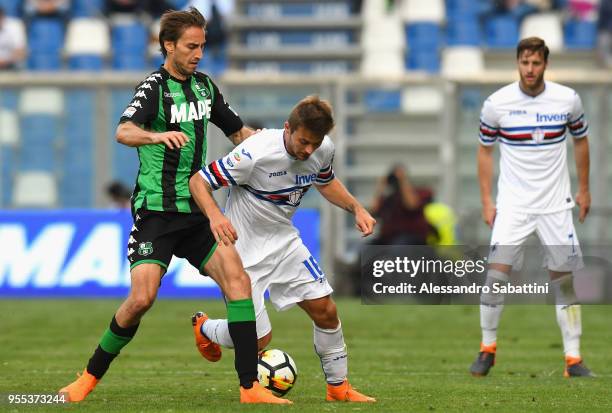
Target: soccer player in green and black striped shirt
[167, 121]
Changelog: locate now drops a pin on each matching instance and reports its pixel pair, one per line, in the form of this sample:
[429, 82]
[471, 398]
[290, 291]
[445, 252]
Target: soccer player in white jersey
[531, 119]
[268, 175]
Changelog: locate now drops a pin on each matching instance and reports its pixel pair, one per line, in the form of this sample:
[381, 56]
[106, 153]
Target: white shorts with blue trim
[556, 233]
[289, 279]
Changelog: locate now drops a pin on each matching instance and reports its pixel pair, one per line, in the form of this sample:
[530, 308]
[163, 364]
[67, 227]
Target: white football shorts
[556, 233]
[290, 279]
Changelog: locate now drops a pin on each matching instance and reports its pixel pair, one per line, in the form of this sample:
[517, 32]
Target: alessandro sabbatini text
[443, 275]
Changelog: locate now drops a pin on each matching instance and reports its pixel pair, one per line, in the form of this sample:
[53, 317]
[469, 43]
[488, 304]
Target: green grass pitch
[411, 358]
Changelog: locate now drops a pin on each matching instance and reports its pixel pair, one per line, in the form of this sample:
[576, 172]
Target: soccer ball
[276, 371]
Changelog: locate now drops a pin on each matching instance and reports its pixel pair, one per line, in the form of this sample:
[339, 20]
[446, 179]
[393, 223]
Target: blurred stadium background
[407, 79]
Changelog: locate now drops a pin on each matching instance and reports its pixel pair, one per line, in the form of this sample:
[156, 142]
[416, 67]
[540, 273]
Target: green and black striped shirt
[163, 103]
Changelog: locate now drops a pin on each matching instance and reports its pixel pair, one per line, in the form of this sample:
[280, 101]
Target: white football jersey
[267, 185]
[533, 176]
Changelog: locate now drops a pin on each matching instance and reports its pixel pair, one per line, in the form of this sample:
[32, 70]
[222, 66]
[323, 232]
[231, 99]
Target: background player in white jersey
[530, 119]
[269, 174]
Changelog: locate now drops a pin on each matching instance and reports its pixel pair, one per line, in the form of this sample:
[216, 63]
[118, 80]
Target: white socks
[489, 320]
[570, 322]
[491, 307]
[218, 332]
[329, 345]
[568, 314]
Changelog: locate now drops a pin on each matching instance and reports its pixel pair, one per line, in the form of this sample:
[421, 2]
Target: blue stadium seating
[75, 187]
[502, 32]
[463, 31]
[39, 128]
[44, 61]
[298, 10]
[86, 62]
[423, 36]
[129, 45]
[124, 162]
[86, 8]
[427, 60]
[471, 99]
[38, 135]
[455, 8]
[580, 34]
[36, 158]
[80, 125]
[129, 37]
[9, 98]
[7, 168]
[45, 32]
[213, 62]
[158, 59]
[380, 100]
[78, 156]
[11, 7]
[179, 4]
[45, 41]
[124, 61]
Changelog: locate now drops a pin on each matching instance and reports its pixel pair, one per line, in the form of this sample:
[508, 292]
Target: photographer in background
[398, 207]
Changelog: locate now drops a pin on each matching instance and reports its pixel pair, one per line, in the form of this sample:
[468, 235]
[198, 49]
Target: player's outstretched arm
[583, 197]
[336, 193]
[485, 175]
[221, 227]
[133, 135]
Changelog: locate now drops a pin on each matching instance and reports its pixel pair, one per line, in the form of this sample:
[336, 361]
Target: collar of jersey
[518, 84]
[167, 75]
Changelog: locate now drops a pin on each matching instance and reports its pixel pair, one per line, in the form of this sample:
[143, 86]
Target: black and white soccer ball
[276, 371]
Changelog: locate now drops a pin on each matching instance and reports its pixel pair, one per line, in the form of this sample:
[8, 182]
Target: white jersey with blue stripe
[533, 175]
[267, 185]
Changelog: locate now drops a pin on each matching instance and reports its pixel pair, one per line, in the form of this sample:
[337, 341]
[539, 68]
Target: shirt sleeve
[576, 122]
[489, 124]
[144, 105]
[222, 114]
[231, 170]
[326, 173]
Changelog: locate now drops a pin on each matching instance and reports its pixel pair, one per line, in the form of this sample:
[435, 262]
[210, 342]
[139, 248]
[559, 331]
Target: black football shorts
[156, 236]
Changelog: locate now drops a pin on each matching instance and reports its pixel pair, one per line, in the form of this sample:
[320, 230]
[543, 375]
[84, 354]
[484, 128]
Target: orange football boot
[209, 350]
[259, 394]
[346, 393]
[80, 388]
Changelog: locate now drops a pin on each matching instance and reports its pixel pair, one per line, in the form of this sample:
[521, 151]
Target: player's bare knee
[263, 342]
[140, 303]
[237, 285]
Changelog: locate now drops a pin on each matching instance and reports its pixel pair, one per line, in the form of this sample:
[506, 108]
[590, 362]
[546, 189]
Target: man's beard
[183, 70]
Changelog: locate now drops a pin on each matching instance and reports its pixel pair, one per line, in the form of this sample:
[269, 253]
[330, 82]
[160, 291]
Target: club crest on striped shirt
[538, 135]
[295, 197]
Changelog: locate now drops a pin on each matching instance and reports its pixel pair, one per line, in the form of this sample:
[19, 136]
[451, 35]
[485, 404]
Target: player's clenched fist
[172, 139]
[223, 230]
